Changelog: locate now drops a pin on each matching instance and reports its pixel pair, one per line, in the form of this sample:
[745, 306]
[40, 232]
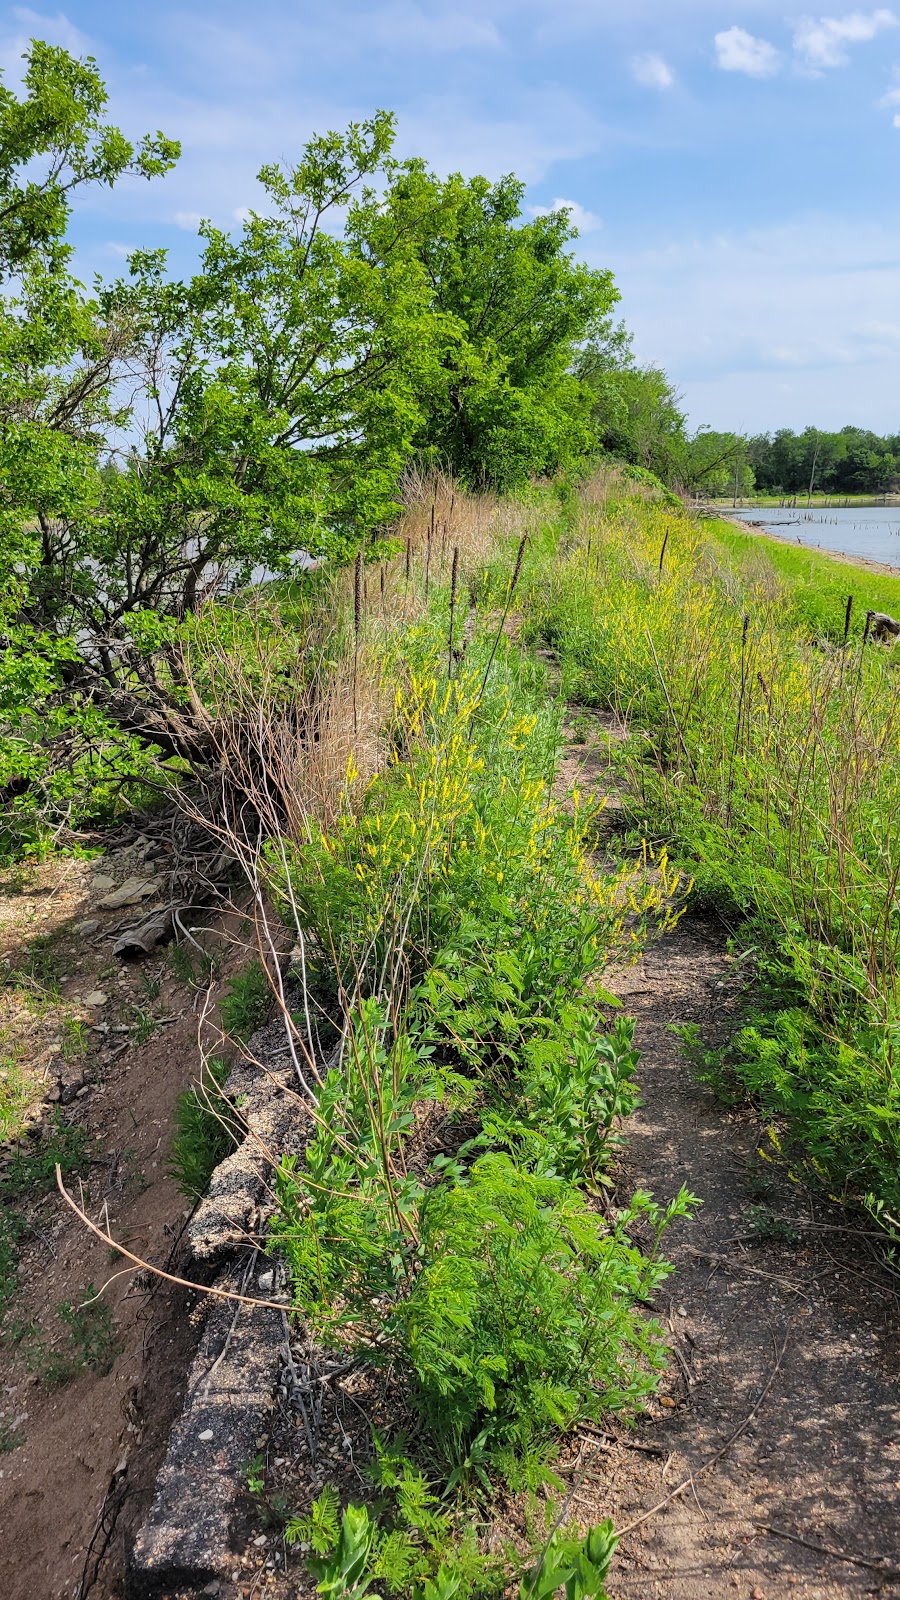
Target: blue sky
[735, 164]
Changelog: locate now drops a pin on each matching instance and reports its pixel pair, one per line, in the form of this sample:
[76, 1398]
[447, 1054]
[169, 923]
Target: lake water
[872, 531]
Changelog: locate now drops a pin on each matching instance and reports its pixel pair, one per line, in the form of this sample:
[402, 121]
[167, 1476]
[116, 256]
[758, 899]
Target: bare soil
[76, 1486]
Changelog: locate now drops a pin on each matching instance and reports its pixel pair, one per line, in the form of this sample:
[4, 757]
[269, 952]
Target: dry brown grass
[293, 703]
[295, 720]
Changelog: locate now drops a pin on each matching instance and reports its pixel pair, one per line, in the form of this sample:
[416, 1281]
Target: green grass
[245, 1002]
[818, 585]
[204, 1131]
[16, 1091]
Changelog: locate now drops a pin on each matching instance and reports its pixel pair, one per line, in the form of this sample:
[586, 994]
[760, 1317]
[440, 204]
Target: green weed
[245, 1002]
[92, 1344]
[144, 1026]
[413, 1549]
[75, 1039]
[31, 1170]
[205, 1131]
[190, 966]
[10, 1439]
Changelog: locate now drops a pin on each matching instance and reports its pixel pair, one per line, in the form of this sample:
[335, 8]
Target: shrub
[521, 1319]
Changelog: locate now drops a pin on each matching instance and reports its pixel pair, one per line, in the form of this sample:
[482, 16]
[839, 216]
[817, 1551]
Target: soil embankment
[104, 1048]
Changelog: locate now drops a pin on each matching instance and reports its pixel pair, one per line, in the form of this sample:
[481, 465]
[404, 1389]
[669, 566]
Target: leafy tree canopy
[52, 141]
[507, 404]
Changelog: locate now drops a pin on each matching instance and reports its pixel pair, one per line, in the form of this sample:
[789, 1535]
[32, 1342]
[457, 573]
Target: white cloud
[30, 25]
[738, 51]
[549, 124]
[189, 220]
[734, 317]
[892, 98]
[822, 42]
[652, 72]
[582, 219]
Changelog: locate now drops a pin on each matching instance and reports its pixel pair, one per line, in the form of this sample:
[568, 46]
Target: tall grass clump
[770, 761]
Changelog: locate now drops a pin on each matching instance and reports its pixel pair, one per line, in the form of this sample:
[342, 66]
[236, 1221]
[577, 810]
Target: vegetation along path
[783, 1326]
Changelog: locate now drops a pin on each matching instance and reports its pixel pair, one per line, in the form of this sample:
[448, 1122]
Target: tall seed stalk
[428, 553]
[453, 579]
[509, 600]
[357, 622]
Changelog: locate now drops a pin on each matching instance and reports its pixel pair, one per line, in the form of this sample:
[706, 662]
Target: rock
[89, 926]
[96, 998]
[156, 929]
[206, 1435]
[667, 1401]
[101, 881]
[130, 893]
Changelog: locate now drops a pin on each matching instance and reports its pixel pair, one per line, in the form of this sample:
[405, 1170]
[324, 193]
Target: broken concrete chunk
[201, 1514]
[89, 926]
[130, 893]
[96, 998]
[101, 881]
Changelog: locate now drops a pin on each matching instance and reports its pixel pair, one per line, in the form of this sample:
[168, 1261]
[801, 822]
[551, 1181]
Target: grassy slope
[819, 583]
[771, 772]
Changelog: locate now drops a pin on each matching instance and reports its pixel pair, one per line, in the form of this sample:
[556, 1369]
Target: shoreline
[842, 557]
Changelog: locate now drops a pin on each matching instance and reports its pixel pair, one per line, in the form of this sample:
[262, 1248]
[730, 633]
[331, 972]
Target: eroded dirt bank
[102, 1048]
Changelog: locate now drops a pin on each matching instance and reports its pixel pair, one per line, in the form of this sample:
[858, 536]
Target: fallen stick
[147, 1266]
[731, 1264]
[886, 1574]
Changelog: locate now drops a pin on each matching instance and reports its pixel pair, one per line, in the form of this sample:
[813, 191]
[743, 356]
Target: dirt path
[770, 1298]
[79, 1453]
[821, 1457]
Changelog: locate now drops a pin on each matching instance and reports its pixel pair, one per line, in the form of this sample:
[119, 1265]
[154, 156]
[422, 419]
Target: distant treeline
[853, 461]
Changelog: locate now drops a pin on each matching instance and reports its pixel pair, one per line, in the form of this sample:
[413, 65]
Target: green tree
[53, 141]
[513, 305]
[57, 362]
[714, 463]
[636, 410]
